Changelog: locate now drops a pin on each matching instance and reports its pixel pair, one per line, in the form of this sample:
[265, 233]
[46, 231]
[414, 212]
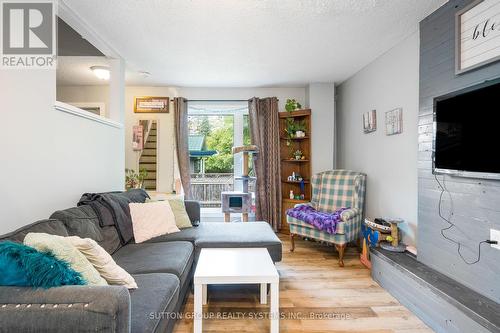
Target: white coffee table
[236, 266]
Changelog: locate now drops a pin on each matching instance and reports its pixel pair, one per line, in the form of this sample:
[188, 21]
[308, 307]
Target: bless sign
[478, 35]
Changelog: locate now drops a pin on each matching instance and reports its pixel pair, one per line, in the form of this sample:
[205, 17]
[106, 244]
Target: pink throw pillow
[152, 219]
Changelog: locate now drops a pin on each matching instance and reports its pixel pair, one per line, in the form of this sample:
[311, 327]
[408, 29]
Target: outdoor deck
[207, 187]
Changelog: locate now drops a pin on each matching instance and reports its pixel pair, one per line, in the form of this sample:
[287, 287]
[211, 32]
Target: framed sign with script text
[477, 35]
[149, 104]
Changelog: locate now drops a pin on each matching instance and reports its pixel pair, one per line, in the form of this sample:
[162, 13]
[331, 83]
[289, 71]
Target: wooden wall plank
[476, 202]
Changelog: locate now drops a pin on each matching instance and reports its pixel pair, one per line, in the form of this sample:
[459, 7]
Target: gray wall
[320, 97]
[476, 202]
[389, 82]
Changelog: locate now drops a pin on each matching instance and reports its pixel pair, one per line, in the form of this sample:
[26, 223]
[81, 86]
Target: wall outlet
[495, 236]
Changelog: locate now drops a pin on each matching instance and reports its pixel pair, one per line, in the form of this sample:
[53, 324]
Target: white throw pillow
[103, 262]
[62, 249]
[152, 219]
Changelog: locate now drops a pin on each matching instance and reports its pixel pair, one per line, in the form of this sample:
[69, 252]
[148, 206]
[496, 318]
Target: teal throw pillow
[22, 265]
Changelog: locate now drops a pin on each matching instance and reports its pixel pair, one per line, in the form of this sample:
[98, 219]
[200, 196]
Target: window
[214, 129]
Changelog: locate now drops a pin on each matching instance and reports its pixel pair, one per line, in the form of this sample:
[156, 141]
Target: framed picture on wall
[394, 122]
[477, 35]
[370, 121]
[137, 137]
[150, 104]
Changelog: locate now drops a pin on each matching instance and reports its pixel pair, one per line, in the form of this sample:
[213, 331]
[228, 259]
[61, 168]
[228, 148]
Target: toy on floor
[380, 232]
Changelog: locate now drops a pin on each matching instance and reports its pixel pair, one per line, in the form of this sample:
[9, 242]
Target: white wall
[320, 97]
[390, 162]
[165, 131]
[49, 158]
[245, 93]
[84, 94]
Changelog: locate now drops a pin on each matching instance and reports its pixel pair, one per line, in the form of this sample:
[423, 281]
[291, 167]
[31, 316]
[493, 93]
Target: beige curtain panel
[182, 137]
[264, 130]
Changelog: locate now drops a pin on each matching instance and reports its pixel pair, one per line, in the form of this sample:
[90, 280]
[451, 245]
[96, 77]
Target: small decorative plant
[135, 179]
[298, 155]
[294, 129]
[292, 105]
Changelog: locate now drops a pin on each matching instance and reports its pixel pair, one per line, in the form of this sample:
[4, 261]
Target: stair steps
[150, 185]
[148, 158]
[150, 167]
[149, 152]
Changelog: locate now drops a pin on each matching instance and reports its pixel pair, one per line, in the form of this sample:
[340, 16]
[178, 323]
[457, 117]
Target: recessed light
[101, 72]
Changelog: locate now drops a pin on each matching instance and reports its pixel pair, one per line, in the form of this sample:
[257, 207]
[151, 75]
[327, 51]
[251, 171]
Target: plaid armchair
[332, 190]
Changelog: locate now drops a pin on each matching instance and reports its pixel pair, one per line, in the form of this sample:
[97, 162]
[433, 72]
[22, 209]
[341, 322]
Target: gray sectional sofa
[162, 267]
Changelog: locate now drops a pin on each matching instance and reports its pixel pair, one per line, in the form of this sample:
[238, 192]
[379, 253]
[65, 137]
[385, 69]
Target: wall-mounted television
[467, 132]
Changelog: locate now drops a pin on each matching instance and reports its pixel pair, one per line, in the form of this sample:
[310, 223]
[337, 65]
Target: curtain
[265, 134]
[182, 137]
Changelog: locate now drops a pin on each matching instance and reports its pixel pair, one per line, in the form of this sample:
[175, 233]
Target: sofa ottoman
[223, 234]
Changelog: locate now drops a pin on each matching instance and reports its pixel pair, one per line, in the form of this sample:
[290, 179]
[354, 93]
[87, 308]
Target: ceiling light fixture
[144, 74]
[102, 72]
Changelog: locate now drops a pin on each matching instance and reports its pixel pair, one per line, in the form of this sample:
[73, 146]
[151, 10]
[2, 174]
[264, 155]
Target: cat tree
[239, 202]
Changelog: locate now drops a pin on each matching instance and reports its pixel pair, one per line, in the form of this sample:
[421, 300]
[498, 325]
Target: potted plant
[298, 155]
[294, 129]
[135, 179]
[292, 105]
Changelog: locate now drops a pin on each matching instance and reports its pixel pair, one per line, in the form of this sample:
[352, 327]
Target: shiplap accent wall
[476, 202]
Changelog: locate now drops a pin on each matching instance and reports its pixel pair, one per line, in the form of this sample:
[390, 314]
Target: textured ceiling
[246, 43]
[75, 70]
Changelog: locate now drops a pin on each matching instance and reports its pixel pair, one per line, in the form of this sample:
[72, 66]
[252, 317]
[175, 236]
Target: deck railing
[207, 187]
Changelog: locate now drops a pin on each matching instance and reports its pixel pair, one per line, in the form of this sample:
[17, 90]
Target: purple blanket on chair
[326, 222]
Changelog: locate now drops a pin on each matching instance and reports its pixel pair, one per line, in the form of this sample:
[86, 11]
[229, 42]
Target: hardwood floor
[342, 299]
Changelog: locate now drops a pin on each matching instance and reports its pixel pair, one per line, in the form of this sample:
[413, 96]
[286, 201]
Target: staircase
[148, 158]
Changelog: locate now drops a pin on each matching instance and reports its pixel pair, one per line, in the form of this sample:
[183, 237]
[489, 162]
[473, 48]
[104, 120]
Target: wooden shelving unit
[289, 165]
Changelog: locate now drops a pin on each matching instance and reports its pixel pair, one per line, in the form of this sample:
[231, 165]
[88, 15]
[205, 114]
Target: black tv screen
[467, 133]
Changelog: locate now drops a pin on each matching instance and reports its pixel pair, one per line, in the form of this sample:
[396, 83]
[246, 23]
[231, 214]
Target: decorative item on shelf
[298, 155]
[135, 179]
[291, 194]
[295, 177]
[294, 129]
[302, 189]
[394, 122]
[300, 134]
[292, 105]
[370, 121]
